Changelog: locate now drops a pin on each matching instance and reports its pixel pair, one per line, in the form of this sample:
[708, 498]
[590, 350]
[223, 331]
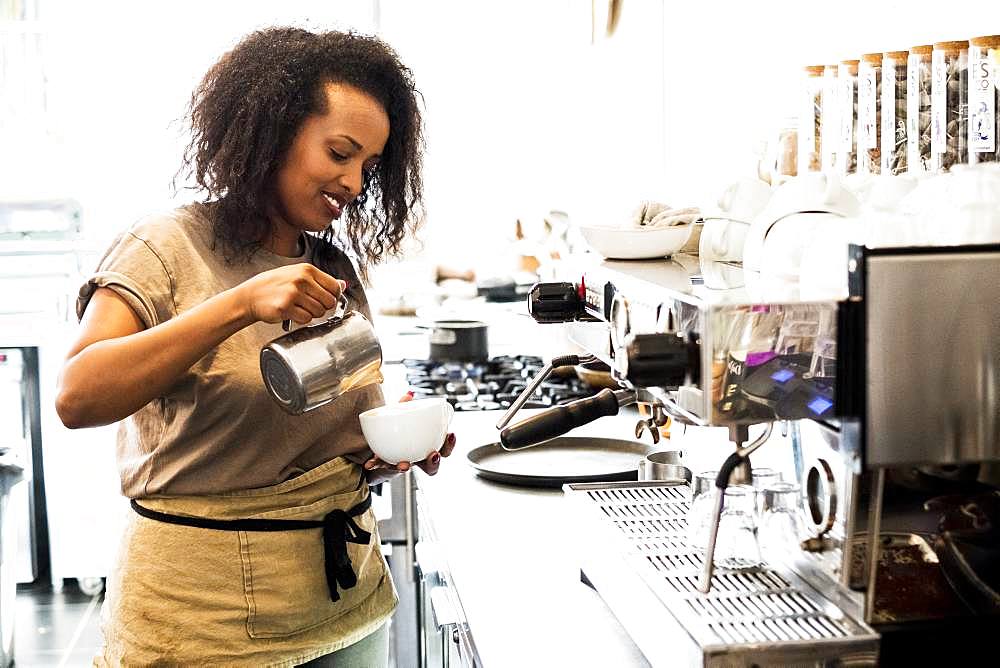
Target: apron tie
[339, 529]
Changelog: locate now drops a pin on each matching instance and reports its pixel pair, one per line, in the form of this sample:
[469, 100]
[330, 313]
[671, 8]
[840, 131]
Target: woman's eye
[339, 157]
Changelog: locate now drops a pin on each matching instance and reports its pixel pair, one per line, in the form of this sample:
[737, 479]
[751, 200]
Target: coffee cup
[664, 465]
[408, 431]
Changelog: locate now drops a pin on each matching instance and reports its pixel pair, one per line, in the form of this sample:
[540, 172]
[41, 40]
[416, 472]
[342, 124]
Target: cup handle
[449, 412]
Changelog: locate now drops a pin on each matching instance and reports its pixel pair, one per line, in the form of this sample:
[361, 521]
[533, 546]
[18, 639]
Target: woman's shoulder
[183, 224]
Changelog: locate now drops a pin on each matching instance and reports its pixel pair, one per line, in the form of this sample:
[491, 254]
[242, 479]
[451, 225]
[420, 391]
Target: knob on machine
[660, 360]
[555, 302]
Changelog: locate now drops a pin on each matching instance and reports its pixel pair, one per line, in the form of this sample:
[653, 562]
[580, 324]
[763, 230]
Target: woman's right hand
[298, 292]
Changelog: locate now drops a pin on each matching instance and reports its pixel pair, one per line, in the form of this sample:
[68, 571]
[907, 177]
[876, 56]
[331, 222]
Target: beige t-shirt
[217, 429]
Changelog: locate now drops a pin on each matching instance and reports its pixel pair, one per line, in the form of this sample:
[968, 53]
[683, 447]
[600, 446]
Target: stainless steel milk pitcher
[313, 365]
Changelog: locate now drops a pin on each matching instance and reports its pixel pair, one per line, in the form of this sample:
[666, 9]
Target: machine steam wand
[735, 468]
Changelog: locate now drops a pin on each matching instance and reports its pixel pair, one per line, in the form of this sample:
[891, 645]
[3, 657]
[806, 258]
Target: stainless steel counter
[512, 563]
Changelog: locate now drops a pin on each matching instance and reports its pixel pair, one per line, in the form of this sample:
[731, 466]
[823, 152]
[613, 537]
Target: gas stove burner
[491, 385]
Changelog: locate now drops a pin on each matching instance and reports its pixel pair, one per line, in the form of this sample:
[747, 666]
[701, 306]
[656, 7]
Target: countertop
[509, 552]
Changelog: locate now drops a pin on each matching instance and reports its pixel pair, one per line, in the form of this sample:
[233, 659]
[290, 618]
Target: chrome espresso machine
[888, 401]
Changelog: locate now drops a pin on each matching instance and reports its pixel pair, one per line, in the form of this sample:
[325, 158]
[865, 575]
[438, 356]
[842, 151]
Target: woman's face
[326, 165]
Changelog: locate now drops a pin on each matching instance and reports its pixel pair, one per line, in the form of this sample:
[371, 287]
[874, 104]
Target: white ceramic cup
[407, 431]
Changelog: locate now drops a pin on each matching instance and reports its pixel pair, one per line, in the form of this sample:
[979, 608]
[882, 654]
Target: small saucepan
[458, 341]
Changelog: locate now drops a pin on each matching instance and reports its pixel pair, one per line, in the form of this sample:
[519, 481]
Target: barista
[253, 541]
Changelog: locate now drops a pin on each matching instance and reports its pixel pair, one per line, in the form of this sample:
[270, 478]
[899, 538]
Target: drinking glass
[761, 479]
[700, 512]
[783, 523]
[737, 547]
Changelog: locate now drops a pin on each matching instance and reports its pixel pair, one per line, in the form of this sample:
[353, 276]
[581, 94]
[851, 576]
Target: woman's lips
[332, 203]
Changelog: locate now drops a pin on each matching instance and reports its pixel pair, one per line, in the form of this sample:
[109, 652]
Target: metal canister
[311, 366]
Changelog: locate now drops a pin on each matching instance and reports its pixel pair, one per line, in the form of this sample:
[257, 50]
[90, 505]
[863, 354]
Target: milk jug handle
[341, 309]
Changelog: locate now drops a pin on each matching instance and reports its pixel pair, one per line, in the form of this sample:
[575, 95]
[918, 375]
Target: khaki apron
[184, 596]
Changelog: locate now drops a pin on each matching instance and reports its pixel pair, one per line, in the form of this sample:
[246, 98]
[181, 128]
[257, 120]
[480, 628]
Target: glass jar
[984, 99]
[949, 105]
[918, 109]
[893, 110]
[810, 121]
[847, 152]
[869, 114]
[830, 125]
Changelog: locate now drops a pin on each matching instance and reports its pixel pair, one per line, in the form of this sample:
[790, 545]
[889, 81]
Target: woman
[290, 130]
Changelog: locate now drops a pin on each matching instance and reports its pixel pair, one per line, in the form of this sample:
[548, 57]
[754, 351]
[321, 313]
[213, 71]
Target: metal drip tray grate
[747, 610]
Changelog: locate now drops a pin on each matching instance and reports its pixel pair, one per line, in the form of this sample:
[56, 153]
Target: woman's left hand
[378, 469]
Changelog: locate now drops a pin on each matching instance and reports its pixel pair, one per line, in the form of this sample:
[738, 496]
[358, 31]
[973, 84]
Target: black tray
[562, 460]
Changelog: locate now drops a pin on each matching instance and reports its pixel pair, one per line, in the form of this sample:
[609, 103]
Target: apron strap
[339, 529]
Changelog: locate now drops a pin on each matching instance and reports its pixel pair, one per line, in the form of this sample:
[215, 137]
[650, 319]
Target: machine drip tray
[633, 536]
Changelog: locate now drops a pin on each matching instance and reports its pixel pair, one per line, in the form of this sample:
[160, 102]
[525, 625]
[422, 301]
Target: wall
[120, 75]
[524, 114]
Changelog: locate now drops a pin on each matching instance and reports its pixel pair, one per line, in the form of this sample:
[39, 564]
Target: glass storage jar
[847, 152]
[949, 105]
[869, 114]
[893, 108]
[984, 99]
[810, 121]
[918, 109]
[830, 125]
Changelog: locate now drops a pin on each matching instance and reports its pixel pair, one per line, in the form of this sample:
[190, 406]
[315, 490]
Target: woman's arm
[116, 366]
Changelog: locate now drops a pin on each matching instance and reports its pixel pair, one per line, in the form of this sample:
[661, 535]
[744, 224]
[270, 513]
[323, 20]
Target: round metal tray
[559, 461]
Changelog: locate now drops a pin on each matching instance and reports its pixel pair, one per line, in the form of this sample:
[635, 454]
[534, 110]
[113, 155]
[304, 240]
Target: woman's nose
[352, 180]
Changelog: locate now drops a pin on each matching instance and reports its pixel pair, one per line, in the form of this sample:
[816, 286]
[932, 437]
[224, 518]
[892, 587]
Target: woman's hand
[298, 292]
[379, 470]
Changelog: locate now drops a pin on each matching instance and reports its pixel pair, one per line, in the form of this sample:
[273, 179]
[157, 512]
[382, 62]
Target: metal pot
[459, 341]
[314, 365]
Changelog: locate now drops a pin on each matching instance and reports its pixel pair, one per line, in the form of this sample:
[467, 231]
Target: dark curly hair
[249, 107]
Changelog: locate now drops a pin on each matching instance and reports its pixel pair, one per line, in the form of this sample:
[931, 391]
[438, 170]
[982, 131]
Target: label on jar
[913, 112]
[982, 106]
[847, 112]
[939, 102]
[888, 114]
[867, 107]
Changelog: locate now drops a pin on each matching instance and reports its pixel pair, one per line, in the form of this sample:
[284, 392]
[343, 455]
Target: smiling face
[325, 167]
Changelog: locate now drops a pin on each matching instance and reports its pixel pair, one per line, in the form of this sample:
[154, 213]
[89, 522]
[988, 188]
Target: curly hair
[247, 110]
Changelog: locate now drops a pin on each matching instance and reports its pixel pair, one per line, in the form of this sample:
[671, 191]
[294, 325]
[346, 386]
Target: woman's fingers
[406, 397]
[298, 314]
[315, 307]
[431, 464]
[449, 445]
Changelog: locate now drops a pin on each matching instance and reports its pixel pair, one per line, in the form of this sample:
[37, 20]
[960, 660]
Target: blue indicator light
[782, 376]
[819, 405]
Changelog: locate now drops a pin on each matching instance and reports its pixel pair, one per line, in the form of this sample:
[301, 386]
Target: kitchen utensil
[407, 431]
[558, 420]
[313, 365]
[636, 244]
[459, 341]
[560, 461]
[664, 465]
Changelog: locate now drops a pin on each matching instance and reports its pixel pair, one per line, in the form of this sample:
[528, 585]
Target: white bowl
[407, 431]
[636, 244]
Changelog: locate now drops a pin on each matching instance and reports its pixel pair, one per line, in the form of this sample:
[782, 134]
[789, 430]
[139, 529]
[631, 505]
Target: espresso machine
[887, 398]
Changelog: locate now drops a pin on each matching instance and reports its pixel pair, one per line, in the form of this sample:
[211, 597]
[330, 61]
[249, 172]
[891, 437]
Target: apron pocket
[285, 579]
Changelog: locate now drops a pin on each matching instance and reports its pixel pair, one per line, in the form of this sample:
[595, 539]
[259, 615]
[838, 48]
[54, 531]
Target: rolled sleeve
[134, 270]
